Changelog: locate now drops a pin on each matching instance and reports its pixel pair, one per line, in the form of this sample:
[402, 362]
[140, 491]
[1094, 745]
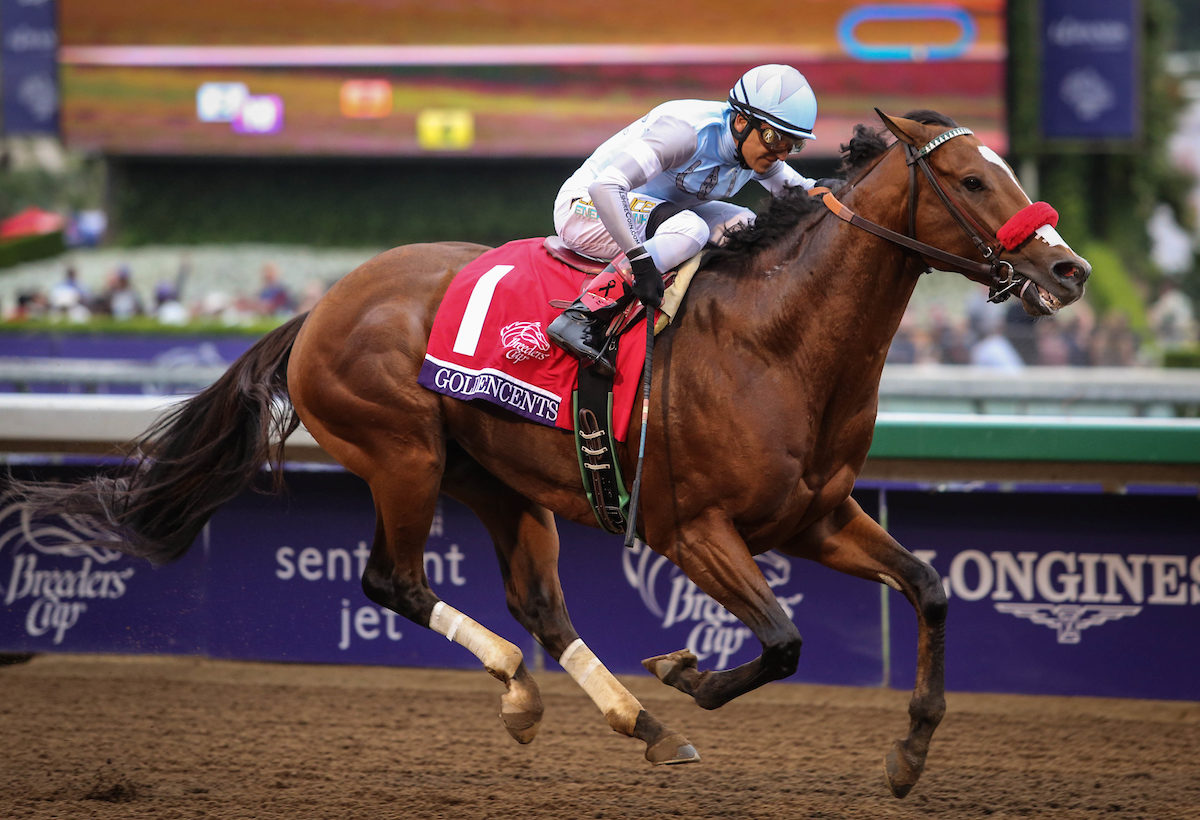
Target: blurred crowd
[1001, 336]
[1004, 337]
[71, 300]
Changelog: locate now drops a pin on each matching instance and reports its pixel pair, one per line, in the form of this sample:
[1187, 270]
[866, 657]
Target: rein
[994, 272]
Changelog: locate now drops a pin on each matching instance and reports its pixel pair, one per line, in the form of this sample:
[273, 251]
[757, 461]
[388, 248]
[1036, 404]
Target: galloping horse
[765, 392]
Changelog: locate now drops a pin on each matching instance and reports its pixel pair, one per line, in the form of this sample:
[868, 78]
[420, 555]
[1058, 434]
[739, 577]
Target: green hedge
[29, 248]
[1112, 286]
[1182, 357]
[140, 325]
[333, 203]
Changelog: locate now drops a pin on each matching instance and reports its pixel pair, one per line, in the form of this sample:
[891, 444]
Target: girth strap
[596, 448]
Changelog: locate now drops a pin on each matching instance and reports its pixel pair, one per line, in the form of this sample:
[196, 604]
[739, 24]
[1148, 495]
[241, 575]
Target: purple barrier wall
[60, 596]
[180, 351]
[194, 349]
[1057, 593]
[283, 580]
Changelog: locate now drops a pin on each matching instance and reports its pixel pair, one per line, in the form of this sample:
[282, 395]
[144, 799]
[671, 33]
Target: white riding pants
[676, 240]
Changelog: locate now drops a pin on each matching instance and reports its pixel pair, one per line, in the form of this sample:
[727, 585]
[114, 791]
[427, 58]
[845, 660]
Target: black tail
[199, 456]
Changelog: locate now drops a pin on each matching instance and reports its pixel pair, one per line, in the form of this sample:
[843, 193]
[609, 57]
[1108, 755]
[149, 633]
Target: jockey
[652, 194]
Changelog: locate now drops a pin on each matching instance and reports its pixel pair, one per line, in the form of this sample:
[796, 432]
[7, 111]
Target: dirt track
[118, 737]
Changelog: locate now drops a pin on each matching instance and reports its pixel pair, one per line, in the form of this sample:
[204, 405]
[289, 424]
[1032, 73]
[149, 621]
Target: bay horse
[764, 400]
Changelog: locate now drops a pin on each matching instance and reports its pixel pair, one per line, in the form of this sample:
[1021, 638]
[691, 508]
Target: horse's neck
[836, 304]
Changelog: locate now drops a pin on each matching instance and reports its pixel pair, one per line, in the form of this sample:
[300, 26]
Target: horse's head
[968, 202]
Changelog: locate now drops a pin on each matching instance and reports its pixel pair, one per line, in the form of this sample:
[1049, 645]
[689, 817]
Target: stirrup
[577, 330]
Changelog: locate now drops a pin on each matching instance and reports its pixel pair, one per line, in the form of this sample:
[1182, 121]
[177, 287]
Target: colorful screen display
[399, 78]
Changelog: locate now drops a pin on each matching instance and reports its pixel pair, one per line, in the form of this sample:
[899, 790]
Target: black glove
[832, 183]
[647, 281]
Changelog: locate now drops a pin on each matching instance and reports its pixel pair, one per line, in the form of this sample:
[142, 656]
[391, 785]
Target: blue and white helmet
[779, 96]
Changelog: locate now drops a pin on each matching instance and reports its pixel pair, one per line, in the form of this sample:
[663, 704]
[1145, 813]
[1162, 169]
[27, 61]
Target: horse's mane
[783, 213]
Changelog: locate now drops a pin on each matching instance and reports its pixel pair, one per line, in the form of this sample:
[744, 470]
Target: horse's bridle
[994, 272]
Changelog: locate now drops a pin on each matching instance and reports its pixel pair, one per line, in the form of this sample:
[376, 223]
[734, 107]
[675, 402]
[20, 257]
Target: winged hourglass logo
[1069, 620]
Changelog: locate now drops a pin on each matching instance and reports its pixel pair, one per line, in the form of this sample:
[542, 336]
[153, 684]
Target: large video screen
[399, 78]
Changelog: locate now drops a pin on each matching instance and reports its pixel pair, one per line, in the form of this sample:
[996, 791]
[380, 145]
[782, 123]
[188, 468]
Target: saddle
[488, 344]
[574, 259]
[592, 399]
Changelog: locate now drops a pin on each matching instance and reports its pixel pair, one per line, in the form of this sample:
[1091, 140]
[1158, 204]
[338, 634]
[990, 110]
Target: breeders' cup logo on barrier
[524, 340]
[671, 596]
[1070, 592]
[57, 597]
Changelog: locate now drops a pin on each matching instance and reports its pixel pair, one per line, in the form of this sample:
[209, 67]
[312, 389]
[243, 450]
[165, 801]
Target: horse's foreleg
[851, 542]
[526, 542]
[716, 559]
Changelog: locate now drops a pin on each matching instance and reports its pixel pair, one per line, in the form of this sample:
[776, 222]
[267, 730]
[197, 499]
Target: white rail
[1053, 390]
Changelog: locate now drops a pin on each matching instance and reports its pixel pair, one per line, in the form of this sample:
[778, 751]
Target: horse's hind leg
[851, 542]
[395, 578]
[526, 541]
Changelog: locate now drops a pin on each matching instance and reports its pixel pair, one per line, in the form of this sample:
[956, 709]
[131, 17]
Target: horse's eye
[973, 184]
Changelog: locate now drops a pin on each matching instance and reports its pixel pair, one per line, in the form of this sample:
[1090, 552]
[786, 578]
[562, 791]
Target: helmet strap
[739, 137]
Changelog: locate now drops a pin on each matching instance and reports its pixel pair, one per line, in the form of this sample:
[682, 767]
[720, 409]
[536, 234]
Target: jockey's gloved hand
[647, 281]
[832, 183]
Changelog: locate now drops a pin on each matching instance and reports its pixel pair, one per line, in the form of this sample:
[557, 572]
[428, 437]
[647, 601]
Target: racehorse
[763, 404]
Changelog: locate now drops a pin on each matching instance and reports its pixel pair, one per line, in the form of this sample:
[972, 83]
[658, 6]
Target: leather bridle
[994, 272]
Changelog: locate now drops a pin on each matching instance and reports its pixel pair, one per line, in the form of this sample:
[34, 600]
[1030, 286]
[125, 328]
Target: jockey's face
[759, 158]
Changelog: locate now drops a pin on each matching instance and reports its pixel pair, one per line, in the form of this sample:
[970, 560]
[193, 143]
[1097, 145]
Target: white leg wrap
[499, 657]
[619, 706]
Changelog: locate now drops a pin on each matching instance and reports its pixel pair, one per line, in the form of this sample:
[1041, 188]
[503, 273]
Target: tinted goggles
[776, 142]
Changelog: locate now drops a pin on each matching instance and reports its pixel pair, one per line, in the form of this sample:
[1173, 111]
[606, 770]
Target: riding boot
[581, 329]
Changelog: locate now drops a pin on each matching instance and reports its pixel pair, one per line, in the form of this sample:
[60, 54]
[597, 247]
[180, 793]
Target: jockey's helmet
[778, 96]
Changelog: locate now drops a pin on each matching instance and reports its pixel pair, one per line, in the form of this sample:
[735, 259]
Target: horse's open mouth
[1038, 300]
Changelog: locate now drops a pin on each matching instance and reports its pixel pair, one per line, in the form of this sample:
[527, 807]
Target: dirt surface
[138, 737]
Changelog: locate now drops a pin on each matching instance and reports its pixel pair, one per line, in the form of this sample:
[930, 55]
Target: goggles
[776, 142]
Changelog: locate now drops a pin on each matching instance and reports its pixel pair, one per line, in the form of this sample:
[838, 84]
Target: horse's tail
[197, 457]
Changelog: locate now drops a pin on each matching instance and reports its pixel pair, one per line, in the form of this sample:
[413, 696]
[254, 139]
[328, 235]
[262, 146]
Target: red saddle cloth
[489, 339]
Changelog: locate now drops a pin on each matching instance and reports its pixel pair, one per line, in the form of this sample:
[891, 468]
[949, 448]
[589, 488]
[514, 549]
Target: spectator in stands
[168, 308]
[120, 300]
[314, 289]
[274, 299]
[993, 349]
[1172, 317]
[1019, 330]
[1054, 344]
[69, 297]
[1114, 343]
[949, 337]
[31, 304]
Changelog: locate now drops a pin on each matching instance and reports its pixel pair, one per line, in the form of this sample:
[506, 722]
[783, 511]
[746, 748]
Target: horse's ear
[905, 130]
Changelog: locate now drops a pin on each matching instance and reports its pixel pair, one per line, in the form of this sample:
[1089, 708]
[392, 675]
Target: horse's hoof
[668, 668]
[521, 706]
[903, 769]
[523, 726]
[674, 748]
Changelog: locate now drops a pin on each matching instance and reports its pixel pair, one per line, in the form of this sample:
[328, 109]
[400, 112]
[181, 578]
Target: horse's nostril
[1072, 271]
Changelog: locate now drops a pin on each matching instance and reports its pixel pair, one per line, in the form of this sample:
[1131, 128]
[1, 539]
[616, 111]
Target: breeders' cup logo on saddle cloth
[671, 596]
[1069, 592]
[524, 340]
[57, 596]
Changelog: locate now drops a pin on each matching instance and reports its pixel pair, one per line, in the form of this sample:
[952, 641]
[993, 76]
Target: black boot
[582, 333]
